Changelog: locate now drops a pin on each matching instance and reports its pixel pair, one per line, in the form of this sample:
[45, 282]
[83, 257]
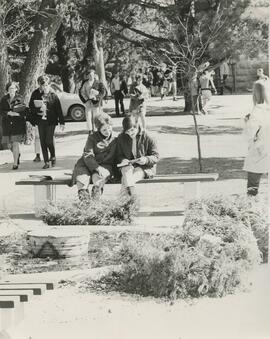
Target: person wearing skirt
[13, 112]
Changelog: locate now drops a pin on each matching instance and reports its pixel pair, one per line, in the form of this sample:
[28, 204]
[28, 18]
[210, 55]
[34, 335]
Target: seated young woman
[136, 154]
[96, 164]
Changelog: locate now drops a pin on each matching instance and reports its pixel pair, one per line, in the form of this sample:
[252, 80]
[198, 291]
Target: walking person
[136, 155]
[91, 93]
[138, 96]
[206, 86]
[46, 109]
[96, 164]
[119, 90]
[257, 130]
[172, 82]
[224, 71]
[13, 112]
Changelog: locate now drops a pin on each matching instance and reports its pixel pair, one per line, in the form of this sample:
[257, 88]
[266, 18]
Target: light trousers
[83, 180]
[90, 112]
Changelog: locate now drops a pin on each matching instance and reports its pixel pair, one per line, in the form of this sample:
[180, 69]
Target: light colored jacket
[257, 130]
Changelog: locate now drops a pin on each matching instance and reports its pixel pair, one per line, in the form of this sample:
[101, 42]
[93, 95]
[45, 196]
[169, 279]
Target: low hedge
[209, 256]
[89, 212]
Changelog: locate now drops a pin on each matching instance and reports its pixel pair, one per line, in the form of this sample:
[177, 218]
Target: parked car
[72, 106]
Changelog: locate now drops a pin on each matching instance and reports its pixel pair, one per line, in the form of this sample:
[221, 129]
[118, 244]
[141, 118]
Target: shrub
[249, 211]
[209, 256]
[92, 212]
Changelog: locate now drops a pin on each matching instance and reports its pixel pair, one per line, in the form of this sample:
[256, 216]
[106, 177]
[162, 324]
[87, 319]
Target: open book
[126, 162]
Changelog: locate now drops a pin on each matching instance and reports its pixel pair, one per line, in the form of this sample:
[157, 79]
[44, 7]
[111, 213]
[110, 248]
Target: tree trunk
[99, 59]
[47, 23]
[3, 61]
[3, 70]
[196, 129]
[62, 51]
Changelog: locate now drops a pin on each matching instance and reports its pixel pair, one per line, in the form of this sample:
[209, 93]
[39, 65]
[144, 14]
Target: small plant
[89, 212]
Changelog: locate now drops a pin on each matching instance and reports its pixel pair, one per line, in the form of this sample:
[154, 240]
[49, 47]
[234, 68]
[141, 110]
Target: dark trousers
[119, 98]
[253, 182]
[223, 85]
[46, 135]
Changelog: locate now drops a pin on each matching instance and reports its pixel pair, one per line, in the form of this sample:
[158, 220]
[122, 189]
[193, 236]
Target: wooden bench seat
[45, 190]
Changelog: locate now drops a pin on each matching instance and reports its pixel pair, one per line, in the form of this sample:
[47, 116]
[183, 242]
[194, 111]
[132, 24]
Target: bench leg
[191, 191]
[43, 194]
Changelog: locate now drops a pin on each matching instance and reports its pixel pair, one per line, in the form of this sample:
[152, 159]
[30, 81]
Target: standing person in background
[261, 75]
[224, 70]
[194, 88]
[68, 76]
[172, 82]
[160, 83]
[119, 90]
[148, 81]
[91, 93]
[206, 84]
[47, 113]
[13, 112]
[257, 130]
[138, 96]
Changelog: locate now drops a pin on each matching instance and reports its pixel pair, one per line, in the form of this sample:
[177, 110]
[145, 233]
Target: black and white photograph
[134, 169]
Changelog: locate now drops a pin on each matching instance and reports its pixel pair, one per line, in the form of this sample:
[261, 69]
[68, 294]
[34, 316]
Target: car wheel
[77, 113]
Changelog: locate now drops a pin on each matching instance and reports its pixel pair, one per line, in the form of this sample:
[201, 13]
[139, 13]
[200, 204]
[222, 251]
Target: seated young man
[136, 156]
[96, 163]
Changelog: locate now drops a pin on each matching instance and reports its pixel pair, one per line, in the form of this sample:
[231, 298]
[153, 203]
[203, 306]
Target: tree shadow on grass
[227, 168]
[203, 130]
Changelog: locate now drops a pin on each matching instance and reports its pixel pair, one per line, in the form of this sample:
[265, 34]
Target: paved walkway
[223, 149]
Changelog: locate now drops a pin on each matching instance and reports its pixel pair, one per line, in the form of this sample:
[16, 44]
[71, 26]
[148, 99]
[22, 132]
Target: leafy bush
[209, 256]
[90, 212]
[249, 211]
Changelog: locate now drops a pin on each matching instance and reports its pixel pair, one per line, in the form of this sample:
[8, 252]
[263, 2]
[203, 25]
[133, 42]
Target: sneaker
[46, 165]
[37, 158]
[96, 192]
[53, 161]
[83, 195]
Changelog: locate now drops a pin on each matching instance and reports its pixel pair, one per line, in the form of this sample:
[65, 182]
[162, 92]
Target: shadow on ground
[203, 130]
[227, 168]
[64, 163]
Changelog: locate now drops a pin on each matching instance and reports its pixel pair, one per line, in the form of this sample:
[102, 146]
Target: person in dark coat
[98, 159]
[13, 113]
[46, 113]
[136, 154]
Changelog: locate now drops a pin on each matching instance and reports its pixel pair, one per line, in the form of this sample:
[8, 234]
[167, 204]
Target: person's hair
[43, 79]
[102, 119]
[12, 83]
[129, 122]
[258, 93]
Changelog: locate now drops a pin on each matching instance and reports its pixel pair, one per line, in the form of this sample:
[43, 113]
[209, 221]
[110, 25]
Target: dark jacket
[124, 87]
[97, 152]
[146, 147]
[13, 125]
[98, 86]
[54, 110]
